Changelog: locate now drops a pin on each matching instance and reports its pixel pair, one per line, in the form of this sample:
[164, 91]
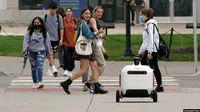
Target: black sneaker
[87, 85]
[61, 66]
[100, 85]
[98, 89]
[85, 88]
[65, 85]
[55, 74]
[159, 89]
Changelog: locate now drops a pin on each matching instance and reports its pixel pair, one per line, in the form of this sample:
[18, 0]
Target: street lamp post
[128, 51]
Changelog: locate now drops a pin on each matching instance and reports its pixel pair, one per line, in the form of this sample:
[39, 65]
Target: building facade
[166, 11]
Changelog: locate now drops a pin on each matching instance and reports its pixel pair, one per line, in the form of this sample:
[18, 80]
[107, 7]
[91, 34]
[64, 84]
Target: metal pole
[195, 36]
[170, 42]
[128, 51]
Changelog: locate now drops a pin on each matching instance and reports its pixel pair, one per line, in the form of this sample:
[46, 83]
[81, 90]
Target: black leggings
[153, 63]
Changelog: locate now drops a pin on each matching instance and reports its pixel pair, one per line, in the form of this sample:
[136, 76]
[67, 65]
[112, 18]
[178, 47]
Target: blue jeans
[36, 61]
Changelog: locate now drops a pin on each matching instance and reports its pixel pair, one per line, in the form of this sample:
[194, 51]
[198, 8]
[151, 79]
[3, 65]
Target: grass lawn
[115, 46]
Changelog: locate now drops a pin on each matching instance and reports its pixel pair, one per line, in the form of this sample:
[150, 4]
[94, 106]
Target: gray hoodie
[36, 43]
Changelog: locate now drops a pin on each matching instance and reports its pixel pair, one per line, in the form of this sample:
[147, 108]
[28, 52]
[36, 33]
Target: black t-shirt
[98, 26]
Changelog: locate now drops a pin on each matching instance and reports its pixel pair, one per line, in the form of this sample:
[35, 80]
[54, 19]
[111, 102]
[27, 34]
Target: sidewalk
[58, 101]
[52, 101]
[13, 66]
[78, 102]
[120, 28]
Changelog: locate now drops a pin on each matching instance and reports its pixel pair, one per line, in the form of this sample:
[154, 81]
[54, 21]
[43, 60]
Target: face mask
[37, 26]
[142, 19]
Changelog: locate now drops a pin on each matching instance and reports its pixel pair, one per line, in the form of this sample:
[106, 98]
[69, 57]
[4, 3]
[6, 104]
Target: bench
[106, 25]
[190, 25]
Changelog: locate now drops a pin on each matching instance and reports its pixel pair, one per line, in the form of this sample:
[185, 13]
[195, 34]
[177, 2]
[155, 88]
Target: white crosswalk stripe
[105, 81]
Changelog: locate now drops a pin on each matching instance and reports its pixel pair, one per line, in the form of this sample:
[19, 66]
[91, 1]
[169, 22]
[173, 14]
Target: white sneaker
[35, 86]
[55, 71]
[66, 72]
[40, 85]
[70, 74]
[49, 72]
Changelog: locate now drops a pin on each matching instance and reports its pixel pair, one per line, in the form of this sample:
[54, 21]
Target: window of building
[120, 10]
[92, 4]
[33, 4]
[161, 7]
[180, 8]
[183, 7]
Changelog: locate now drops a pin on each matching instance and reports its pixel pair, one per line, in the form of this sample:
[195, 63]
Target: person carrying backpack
[60, 11]
[54, 26]
[148, 50]
[36, 46]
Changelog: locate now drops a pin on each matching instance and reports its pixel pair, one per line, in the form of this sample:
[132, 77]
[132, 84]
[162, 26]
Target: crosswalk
[24, 83]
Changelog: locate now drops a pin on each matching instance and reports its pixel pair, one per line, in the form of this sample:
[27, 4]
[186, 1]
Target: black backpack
[162, 49]
[138, 2]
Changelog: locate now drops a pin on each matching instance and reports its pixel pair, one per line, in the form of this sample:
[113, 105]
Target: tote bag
[83, 45]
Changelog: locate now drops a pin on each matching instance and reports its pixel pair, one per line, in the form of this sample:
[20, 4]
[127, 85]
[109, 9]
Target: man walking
[54, 26]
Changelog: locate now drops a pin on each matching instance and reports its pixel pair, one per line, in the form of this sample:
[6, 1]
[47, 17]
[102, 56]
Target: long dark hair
[81, 17]
[69, 8]
[31, 27]
[61, 12]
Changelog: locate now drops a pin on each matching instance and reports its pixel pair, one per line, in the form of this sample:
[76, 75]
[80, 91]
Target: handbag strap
[153, 35]
[81, 34]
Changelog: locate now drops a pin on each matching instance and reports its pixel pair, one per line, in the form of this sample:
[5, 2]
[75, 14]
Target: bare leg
[85, 76]
[84, 66]
[95, 73]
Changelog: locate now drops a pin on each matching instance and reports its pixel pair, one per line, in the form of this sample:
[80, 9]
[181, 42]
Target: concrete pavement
[16, 97]
[175, 74]
[78, 102]
[12, 100]
[13, 66]
[110, 78]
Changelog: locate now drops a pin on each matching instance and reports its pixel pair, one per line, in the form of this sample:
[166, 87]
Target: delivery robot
[136, 81]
